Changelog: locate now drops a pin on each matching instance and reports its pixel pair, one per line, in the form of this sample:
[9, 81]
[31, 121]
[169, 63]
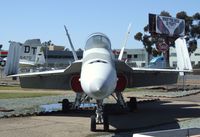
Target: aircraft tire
[65, 105]
[93, 123]
[105, 123]
[132, 104]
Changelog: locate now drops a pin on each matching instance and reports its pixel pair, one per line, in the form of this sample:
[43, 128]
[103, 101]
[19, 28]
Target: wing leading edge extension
[75, 67]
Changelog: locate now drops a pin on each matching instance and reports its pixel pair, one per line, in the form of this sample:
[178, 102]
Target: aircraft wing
[75, 67]
[140, 77]
[121, 66]
[54, 79]
[159, 70]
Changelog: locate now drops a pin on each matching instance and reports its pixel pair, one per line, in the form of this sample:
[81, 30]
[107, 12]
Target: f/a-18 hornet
[99, 75]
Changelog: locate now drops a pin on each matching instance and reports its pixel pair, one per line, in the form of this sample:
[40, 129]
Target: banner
[170, 26]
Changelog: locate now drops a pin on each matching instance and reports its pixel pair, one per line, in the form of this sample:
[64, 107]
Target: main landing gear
[100, 118]
[101, 115]
[66, 105]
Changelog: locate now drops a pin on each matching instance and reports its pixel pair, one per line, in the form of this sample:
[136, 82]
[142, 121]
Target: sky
[28, 19]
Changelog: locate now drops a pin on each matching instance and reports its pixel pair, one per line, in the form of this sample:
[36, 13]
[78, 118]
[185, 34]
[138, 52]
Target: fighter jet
[99, 75]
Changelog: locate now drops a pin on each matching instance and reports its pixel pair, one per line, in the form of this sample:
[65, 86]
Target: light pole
[1, 58]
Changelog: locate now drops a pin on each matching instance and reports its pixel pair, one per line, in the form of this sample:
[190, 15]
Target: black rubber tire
[65, 105]
[93, 123]
[132, 104]
[105, 123]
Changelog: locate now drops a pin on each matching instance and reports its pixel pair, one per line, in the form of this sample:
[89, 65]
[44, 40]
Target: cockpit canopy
[98, 40]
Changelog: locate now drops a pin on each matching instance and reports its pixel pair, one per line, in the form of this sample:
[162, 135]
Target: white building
[194, 57]
[139, 57]
[134, 57]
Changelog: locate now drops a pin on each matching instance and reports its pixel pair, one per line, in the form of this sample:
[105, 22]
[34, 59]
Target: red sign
[162, 47]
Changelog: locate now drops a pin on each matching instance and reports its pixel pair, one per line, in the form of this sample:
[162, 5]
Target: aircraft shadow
[150, 116]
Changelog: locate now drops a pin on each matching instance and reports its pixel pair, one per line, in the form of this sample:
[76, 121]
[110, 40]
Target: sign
[170, 26]
[166, 25]
[162, 47]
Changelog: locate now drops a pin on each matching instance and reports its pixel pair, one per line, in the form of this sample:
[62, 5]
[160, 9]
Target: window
[174, 63]
[135, 56]
[143, 64]
[197, 54]
[129, 56]
[193, 63]
[173, 54]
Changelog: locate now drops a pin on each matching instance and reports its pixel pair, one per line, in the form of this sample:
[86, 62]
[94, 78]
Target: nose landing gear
[100, 118]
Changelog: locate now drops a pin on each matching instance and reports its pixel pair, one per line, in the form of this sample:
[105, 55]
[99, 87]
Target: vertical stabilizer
[31, 53]
[12, 63]
[29, 50]
[183, 59]
[125, 41]
[70, 42]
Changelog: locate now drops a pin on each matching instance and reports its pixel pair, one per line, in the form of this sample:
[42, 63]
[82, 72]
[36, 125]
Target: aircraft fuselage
[98, 73]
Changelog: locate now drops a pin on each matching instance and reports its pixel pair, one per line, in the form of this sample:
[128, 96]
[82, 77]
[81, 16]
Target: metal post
[46, 58]
[183, 82]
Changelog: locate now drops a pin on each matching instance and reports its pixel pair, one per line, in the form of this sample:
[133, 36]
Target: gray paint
[136, 79]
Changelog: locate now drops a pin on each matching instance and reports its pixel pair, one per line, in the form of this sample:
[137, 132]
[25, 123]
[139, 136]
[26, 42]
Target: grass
[10, 87]
[24, 95]
[133, 89]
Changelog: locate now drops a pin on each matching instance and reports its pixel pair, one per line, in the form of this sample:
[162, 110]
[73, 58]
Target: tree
[191, 30]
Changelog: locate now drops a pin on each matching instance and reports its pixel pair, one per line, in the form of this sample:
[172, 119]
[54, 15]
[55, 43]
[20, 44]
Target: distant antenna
[70, 42]
[125, 41]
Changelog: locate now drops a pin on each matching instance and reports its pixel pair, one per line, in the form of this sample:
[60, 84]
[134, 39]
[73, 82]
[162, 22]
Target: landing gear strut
[99, 118]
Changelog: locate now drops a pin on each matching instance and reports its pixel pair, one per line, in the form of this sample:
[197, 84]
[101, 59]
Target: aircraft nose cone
[97, 87]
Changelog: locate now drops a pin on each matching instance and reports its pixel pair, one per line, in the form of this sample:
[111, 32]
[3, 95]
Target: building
[60, 58]
[55, 47]
[194, 57]
[139, 57]
[134, 57]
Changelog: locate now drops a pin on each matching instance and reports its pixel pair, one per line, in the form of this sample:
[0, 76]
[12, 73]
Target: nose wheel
[99, 118]
[105, 123]
[94, 123]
